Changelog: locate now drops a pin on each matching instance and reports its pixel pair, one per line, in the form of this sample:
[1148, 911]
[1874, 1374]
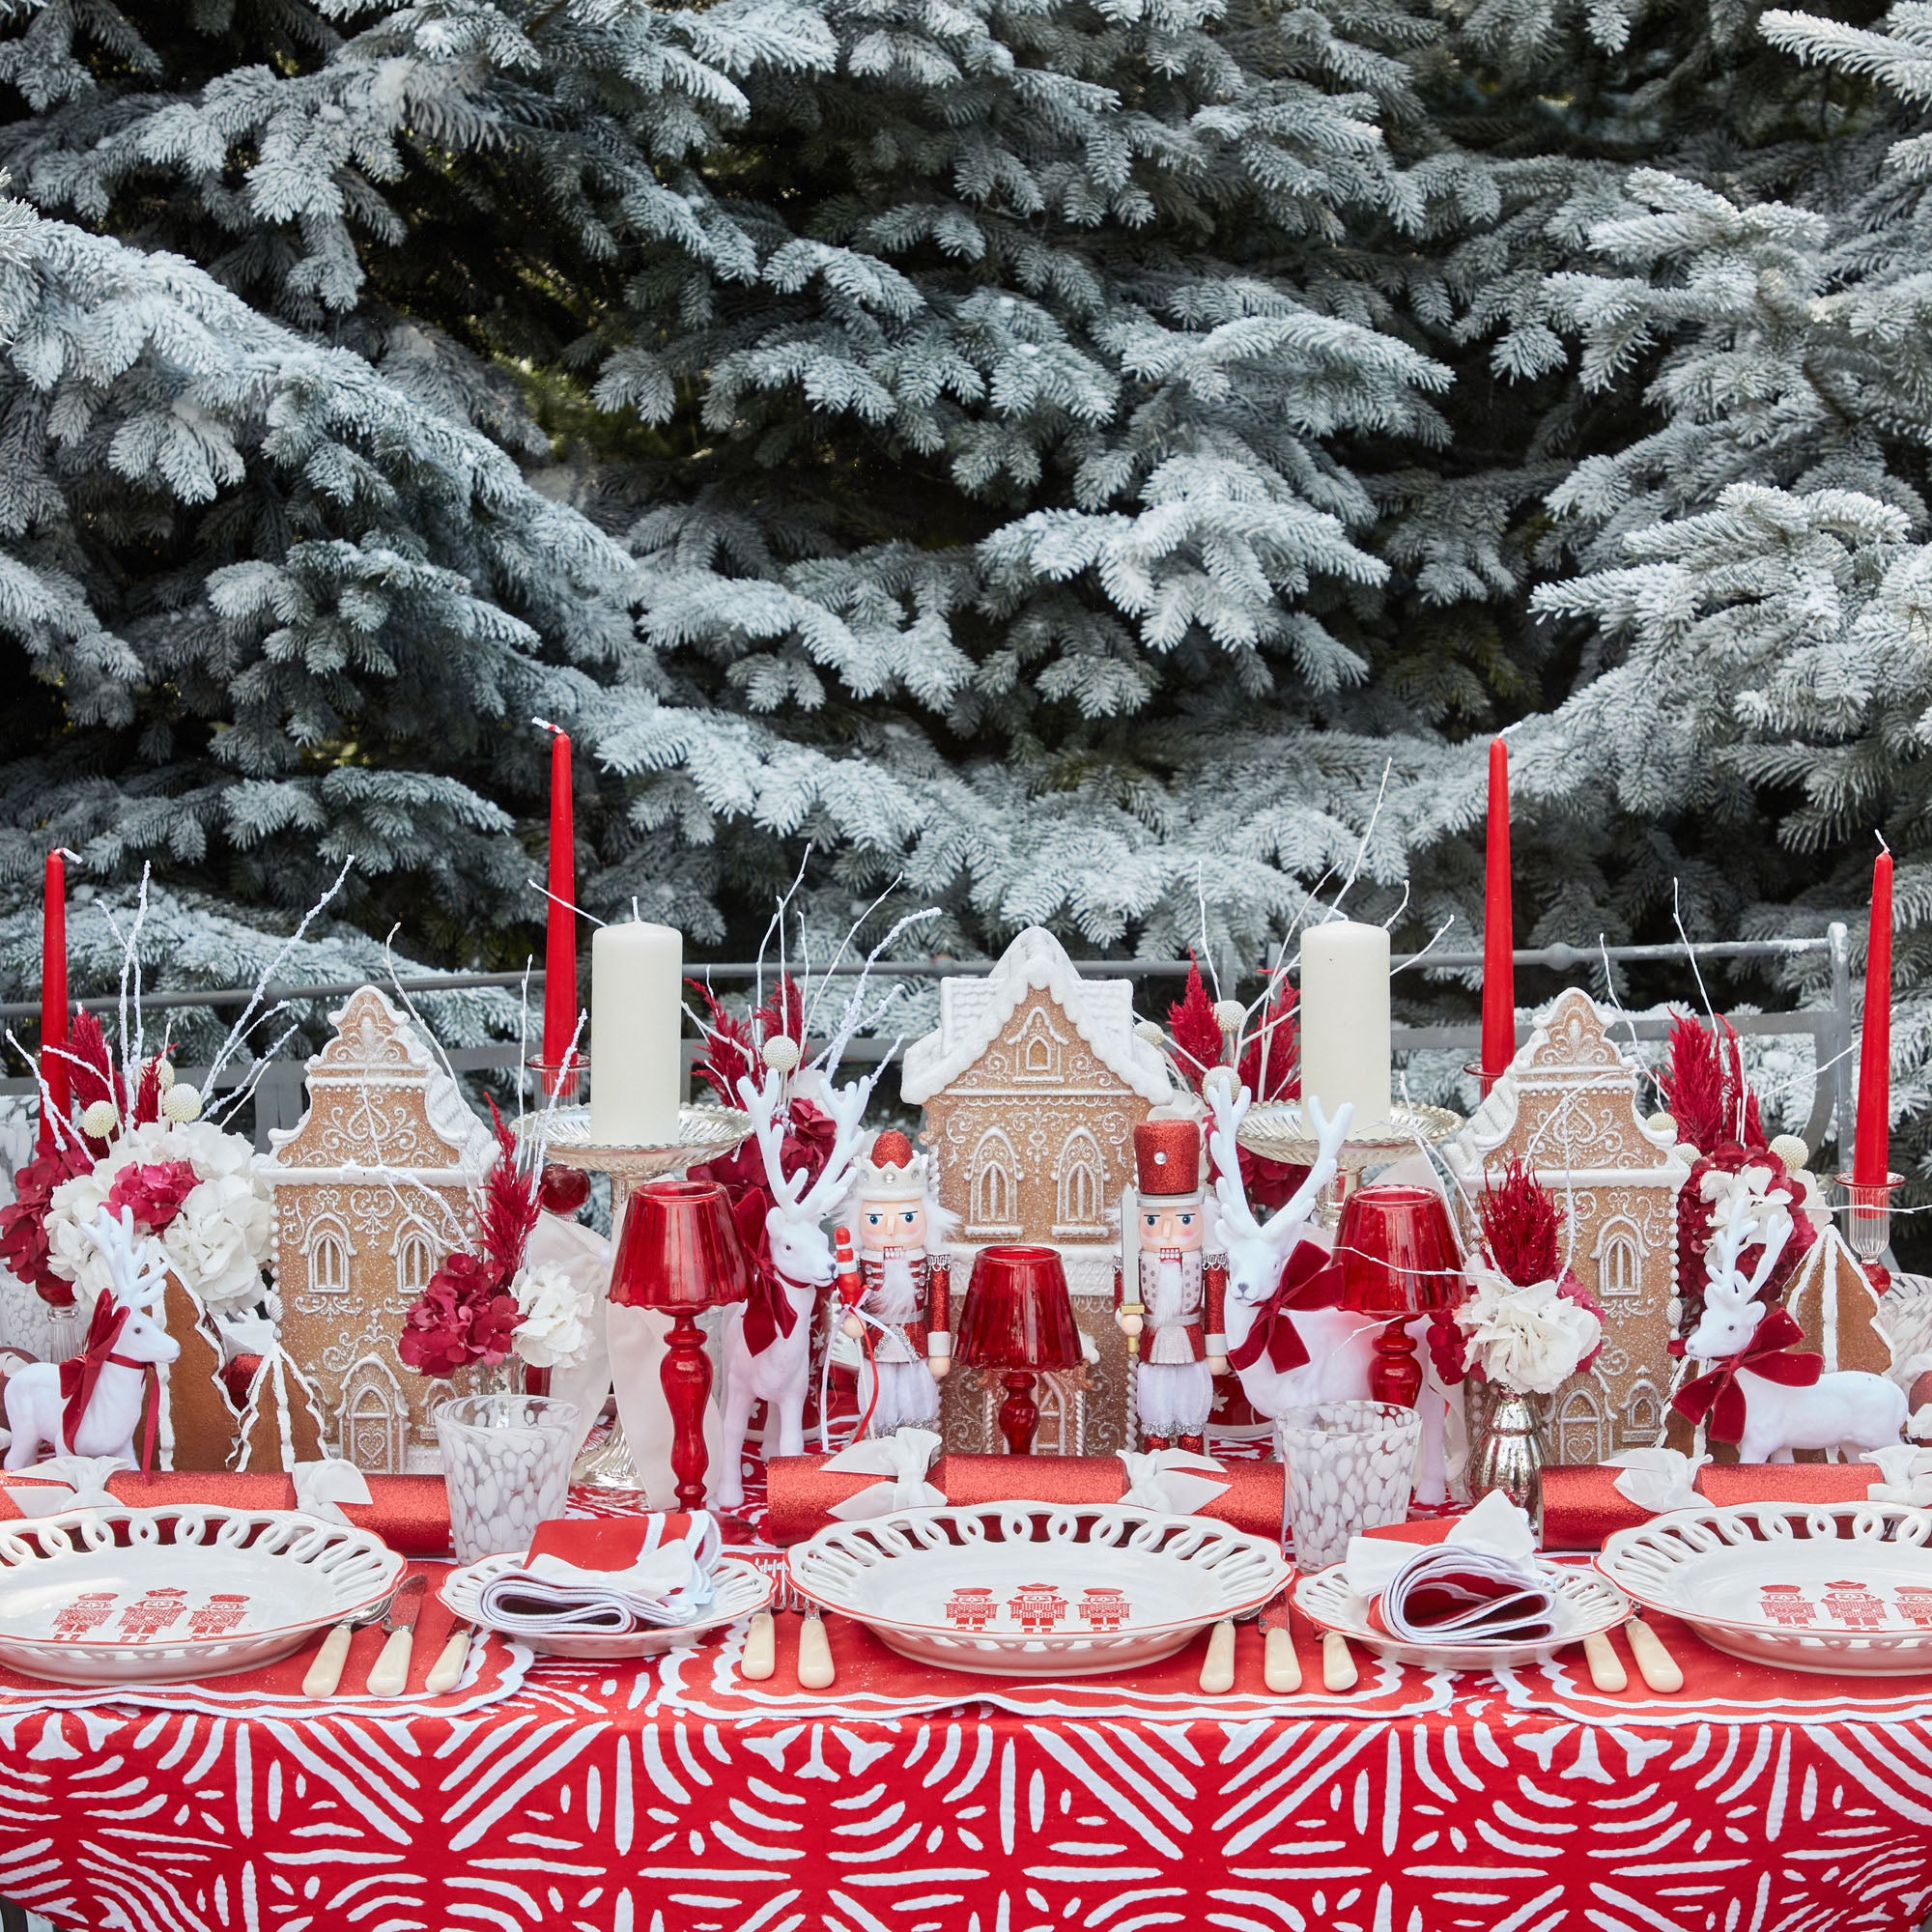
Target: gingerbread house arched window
[1643, 1416]
[1039, 1048]
[372, 1417]
[1080, 1188]
[328, 1254]
[1579, 1426]
[1619, 1261]
[415, 1261]
[993, 1182]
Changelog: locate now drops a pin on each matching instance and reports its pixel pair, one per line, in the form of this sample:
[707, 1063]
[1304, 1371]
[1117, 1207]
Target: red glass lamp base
[685, 1377]
[1395, 1375]
[1019, 1413]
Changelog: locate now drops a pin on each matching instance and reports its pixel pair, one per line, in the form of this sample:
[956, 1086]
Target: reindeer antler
[846, 1106]
[1741, 1226]
[1329, 1138]
[134, 1286]
[1229, 1109]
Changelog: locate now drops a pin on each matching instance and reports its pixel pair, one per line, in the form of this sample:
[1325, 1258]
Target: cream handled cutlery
[325, 1673]
[446, 1673]
[389, 1674]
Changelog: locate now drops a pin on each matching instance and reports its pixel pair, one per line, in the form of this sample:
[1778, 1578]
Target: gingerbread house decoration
[372, 1193]
[1569, 1107]
[1032, 1086]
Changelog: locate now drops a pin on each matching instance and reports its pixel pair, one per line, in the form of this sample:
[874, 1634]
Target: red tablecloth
[583, 1804]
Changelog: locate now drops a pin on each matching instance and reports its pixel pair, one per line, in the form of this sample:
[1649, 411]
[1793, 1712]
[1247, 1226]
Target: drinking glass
[506, 1461]
[1350, 1466]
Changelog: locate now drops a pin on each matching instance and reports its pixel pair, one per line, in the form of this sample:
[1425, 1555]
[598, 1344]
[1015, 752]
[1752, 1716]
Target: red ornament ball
[563, 1190]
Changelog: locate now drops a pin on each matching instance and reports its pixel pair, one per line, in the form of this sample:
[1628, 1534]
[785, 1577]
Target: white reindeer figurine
[780, 1374]
[1850, 1409]
[1340, 1344]
[92, 1404]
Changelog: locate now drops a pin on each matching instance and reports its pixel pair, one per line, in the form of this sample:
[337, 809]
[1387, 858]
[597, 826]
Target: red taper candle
[560, 931]
[1498, 929]
[54, 1069]
[1871, 1160]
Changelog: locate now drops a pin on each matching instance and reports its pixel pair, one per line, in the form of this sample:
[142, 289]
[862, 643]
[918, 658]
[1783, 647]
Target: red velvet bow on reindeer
[1310, 1278]
[1716, 1394]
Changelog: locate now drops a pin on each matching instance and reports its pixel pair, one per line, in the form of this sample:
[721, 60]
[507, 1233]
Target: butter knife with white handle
[389, 1674]
[446, 1673]
[325, 1673]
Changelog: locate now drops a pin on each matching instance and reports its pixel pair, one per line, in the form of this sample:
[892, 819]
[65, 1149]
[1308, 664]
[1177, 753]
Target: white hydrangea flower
[1529, 1340]
[555, 1331]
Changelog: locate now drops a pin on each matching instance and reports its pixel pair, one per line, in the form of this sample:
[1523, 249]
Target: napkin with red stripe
[610, 1577]
[1480, 1582]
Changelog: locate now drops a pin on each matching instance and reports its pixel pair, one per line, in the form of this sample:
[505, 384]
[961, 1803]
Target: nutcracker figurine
[1178, 1288]
[903, 1308]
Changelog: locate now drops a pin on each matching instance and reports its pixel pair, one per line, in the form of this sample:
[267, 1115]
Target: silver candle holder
[1276, 1130]
[704, 1133]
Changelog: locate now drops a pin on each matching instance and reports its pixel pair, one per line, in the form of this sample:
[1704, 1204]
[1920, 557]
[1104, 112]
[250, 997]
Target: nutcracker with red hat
[1173, 1319]
[904, 1311]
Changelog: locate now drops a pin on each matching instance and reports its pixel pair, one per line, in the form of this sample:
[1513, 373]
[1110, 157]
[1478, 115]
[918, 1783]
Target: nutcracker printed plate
[1031, 1590]
[1586, 1605]
[1839, 1588]
[740, 1590]
[123, 1596]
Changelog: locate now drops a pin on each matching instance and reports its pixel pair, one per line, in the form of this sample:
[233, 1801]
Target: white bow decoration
[1659, 1479]
[1159, 1479]
[1907, 1473]
[68, 1482]
[903, 1458]
[323, 1488]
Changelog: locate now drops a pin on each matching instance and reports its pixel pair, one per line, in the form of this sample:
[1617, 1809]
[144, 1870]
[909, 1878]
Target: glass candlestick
[1869, 1214]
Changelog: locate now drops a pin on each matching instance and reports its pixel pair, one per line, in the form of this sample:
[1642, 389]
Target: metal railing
[279, 1095]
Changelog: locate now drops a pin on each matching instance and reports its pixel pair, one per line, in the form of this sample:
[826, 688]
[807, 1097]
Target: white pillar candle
[1345, 1018]
[637, 1026]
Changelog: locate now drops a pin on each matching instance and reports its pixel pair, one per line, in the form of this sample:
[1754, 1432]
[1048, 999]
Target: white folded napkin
[1480, 1583]
[668, 1584]
[1906, 1474]
[1659, 1479]
[1164, 1480]
[65, 1483]
[902, 1458]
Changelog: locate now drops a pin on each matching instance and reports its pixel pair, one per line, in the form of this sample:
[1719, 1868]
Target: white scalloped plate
[741, 1589]
[157, 1596]
[1031, 1590]
[1586, 1606]
[1842, 1588]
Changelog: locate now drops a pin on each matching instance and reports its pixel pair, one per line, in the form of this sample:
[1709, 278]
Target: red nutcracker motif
[1038, 1607]
[1175, 1317]
[1915, 1603]
[85, 1613]
[970, 1608]
[1855, 1606]
[154, 1613]
[220, 1613]
[1104, 1608]
[904, 1308]
[1786, 1603]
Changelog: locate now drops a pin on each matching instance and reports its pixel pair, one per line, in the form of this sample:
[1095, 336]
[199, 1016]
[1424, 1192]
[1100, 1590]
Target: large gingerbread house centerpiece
[372, 1193]
[1032, 1086]
[1569, 1108]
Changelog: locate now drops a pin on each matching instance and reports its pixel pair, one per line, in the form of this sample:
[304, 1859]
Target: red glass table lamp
[1398, 1259]
[680, 1253]
[1018, 1321]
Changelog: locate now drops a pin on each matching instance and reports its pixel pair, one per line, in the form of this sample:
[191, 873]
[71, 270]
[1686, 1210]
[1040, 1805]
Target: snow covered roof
[973, 1010]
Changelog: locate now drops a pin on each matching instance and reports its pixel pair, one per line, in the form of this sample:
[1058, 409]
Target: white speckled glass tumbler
[1350, 1465]
[506, 1460]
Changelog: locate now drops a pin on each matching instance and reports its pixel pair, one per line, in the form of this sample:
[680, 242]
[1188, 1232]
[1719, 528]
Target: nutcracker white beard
[1170, 1301]
[896, 1298]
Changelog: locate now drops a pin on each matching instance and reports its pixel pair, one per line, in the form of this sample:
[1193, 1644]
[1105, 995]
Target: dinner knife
[389, 1674]
[446, 1673]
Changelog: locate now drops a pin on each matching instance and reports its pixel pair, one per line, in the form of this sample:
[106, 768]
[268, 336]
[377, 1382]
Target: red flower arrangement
[466, 1314]
[1523, 1235]
[23, 1221]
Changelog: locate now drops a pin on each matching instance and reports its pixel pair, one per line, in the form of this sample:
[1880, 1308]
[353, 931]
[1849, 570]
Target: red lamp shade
[1398, 1252]
[1400, 1258]
[1017, 1313]
[680, 1249]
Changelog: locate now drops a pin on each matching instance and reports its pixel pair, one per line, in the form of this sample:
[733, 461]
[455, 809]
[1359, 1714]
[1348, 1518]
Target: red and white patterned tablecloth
[614, 1799]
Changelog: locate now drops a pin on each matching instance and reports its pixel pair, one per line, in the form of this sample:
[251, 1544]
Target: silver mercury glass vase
[1509, 1453]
